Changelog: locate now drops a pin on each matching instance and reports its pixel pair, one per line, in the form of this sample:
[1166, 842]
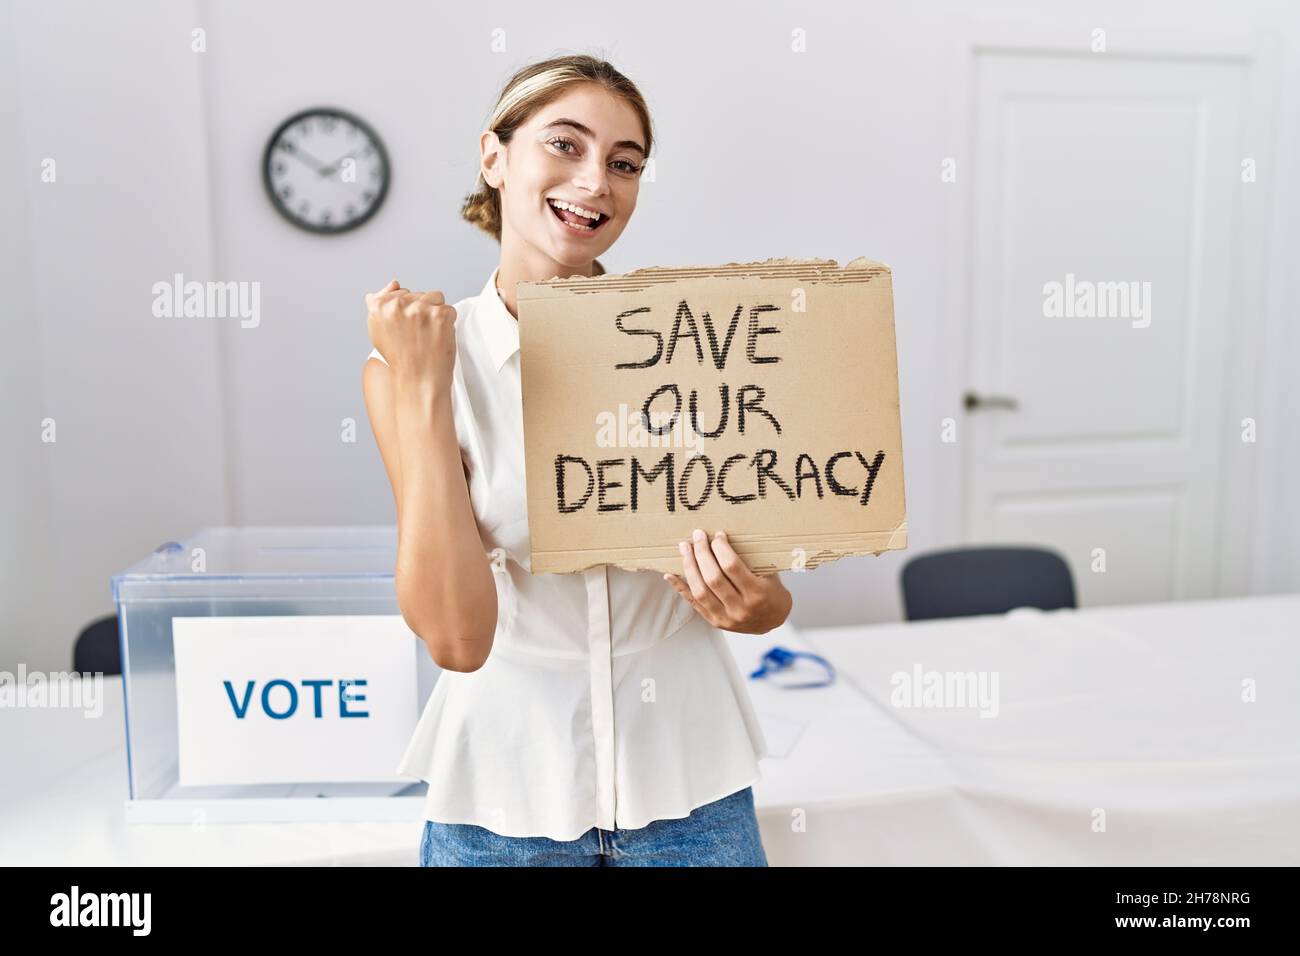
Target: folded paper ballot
[756, 398]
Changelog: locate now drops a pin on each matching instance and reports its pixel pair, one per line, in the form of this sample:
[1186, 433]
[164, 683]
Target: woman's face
[585, 149]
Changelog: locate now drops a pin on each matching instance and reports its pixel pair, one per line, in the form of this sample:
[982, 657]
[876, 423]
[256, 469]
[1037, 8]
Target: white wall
[111, 94]
[26, 551]
[167, 425]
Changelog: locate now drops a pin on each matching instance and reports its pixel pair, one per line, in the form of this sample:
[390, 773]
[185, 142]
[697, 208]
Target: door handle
[973, 401]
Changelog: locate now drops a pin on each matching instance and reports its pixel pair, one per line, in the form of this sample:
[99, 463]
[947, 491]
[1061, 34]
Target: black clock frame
[367, 129]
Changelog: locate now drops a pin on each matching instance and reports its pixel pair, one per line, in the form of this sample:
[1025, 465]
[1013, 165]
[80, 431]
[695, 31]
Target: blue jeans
[722, 833]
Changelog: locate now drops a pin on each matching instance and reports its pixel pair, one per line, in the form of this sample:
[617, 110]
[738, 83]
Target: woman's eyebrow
[587, 132]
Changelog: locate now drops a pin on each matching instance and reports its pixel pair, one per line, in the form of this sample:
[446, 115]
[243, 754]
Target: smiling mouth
[576, 223]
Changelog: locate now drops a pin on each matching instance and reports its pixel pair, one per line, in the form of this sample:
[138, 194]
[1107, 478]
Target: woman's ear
[492, 156]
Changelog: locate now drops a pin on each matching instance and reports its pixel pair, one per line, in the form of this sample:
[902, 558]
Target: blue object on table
[780, 659]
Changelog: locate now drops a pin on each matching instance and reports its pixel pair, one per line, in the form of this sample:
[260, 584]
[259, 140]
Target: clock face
[325, 170]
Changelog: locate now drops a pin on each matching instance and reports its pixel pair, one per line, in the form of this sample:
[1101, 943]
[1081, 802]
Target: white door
[1118, 179]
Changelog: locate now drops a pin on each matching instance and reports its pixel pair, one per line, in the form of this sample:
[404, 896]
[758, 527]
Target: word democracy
[677, 484]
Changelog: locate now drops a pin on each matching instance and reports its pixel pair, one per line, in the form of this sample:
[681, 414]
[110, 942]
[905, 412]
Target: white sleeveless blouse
[606, 700]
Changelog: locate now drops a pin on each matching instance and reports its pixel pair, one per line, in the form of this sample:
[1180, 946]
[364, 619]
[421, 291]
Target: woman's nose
[593, 177]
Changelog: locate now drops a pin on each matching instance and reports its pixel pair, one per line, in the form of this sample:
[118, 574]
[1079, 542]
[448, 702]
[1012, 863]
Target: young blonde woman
[592, 719]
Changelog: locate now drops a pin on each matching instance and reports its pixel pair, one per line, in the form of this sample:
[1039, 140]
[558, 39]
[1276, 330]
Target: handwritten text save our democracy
[619, 484]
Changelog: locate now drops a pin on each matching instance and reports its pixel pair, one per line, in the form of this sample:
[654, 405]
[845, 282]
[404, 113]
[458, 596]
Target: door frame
[1253, 236]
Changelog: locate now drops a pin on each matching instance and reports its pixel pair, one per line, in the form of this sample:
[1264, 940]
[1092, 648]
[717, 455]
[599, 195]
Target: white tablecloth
[1135, 711]
[1135, 717]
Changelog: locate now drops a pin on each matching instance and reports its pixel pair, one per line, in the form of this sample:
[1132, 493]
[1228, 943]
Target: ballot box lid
[217, 559]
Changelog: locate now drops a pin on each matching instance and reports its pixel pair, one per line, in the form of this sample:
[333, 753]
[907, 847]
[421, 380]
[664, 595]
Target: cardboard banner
[759, 398]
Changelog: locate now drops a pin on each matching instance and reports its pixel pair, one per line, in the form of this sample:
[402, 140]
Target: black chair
[966, 581]
[97, 649]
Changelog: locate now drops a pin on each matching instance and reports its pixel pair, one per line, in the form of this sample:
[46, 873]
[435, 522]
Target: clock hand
[307, 158]
[332, 168]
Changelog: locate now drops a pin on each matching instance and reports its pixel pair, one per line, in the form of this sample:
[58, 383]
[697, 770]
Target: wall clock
[325, 170]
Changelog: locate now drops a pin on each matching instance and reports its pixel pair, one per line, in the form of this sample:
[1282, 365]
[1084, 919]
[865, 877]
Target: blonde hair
[527, 91]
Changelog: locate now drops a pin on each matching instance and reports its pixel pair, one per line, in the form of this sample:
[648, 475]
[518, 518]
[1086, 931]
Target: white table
[1134, 710]
[65, 783]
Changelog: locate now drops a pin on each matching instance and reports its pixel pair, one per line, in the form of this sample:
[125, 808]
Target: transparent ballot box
[268, 676]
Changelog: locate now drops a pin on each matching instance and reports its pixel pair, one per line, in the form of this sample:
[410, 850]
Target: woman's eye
[624, 166]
